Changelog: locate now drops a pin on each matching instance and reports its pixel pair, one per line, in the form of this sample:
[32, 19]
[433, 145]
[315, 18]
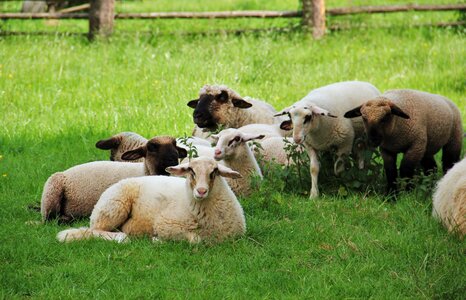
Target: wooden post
[101, 17]
[314, 17]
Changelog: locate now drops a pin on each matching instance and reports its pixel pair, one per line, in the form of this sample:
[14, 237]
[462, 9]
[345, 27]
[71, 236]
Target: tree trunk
[101, 17]
[314, 17]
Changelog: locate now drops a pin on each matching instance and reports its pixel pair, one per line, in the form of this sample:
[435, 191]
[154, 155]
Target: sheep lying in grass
[73, 193]
[274, 150]
[449, 201]
[202, 206]
[233, 149]
[121, 143]
[317, 123]
[220, 105]
[415, 123]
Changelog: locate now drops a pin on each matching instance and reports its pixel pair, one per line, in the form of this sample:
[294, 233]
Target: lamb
[218, 105]
[121, 143]
[316, 123]
[449, 201]
[415, 123]
[233, 149]
[73, 193]
[197, 208]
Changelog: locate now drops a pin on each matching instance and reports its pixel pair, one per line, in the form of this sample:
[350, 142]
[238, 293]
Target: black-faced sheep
[202, 206]
[73, 193]
[317, 123]
[220, 105]
[449, 201]
[415, 123]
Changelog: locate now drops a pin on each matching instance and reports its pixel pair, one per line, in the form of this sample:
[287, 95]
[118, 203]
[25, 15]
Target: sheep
[200, 207]
[449, 200]
[233, 149]
[218, 105]
[121, 143]
[273, 150]
[415, 123]
[316, 123]
[73, 193]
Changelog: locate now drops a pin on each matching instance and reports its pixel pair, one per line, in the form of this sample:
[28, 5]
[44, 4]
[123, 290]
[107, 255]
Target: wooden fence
[102, 14]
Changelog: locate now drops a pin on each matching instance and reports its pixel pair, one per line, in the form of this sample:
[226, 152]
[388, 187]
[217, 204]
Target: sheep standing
[73, 193]
[121, 143]
[202, 206]
[415, 123]
[449, 201]
[220, 105]
[317, 123]
[233, 149]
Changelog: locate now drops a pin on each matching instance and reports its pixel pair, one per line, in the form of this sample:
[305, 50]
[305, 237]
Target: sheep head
[303, 119]
[228, 140]
[378, 116]
[214, 104]
[159, 152]
[201, 173]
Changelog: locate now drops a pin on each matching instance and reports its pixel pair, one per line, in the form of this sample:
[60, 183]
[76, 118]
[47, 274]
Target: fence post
[314, 17]
[101, 15]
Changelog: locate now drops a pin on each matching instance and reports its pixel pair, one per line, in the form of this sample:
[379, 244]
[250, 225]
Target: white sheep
[267, 130]
[318, 123]
[273, 150]
[218, 105]
[449, 201]
[74, 192]
[233, 149]
[200, 207]
[120, 143]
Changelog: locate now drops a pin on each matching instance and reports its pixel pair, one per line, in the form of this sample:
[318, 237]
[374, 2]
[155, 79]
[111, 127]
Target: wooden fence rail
[102, 14]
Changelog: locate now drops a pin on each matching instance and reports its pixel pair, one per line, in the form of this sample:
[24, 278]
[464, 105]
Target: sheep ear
[215, 137]
[320, 111]
[179, 170]
[108, 144]
[249, 136]
[240, 103]
[355, 112]
[135, 153]
[284, 111]
[397, 111]
[227, 172]
[193, 103]
[286, 125]
[182, 153]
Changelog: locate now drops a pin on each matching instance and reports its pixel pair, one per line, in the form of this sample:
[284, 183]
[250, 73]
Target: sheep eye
[307, 118]
[191, 171]
[152, 147]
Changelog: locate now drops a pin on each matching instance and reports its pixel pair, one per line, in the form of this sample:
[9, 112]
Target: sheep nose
[297, 140]
[217, 152]
[201, 191]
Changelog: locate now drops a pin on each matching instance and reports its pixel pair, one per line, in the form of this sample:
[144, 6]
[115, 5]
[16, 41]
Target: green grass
[60, 94]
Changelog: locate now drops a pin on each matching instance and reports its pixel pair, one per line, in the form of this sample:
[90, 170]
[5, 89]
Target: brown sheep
[415, 123]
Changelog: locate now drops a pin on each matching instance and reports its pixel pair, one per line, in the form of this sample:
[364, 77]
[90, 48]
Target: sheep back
[449, 200]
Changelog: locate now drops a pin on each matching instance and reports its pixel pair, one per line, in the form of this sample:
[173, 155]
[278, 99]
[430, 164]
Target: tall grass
[60, 94]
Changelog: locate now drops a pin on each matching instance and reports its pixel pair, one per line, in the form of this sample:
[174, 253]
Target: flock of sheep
[199, 201]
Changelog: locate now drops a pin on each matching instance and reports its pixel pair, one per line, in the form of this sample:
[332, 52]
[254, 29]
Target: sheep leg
[451, 153]
[389, 164]
[428, 164]
[314, 169]
[410, 160]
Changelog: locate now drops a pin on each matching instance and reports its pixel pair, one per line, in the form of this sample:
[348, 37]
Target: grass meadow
[59, 94]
